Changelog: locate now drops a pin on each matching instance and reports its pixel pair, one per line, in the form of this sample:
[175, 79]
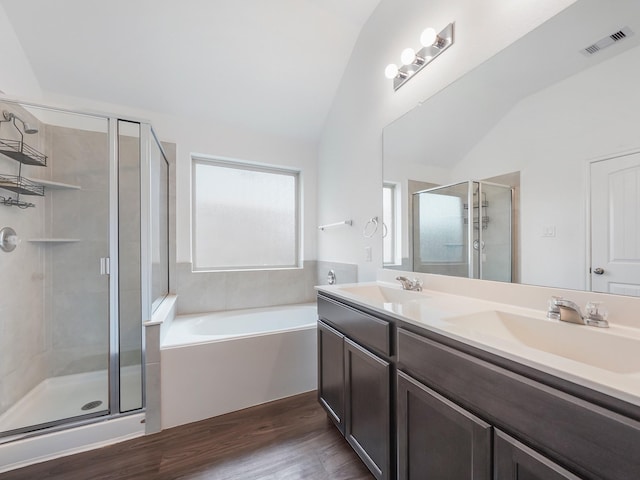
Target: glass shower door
[494, 247]
[441, 232]
[54, 351]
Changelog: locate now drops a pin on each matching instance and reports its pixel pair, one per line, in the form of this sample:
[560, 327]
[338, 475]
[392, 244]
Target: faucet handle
[553, 310]
[408, 284]
[596, 315]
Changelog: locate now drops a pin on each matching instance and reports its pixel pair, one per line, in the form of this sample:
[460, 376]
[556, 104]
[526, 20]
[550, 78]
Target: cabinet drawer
[368, 330]
[586, 438]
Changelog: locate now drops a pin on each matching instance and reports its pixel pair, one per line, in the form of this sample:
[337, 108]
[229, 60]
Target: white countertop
[436, 311]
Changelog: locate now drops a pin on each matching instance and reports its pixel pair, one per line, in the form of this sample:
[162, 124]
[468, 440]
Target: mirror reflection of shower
[464, 230]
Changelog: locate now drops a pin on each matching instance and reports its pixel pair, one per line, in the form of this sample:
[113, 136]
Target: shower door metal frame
[114, 272]
[146, 136]
[470, 214]
[481, 213]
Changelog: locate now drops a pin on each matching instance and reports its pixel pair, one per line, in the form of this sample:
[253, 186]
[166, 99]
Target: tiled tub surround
[200, 292]
[154, 331]
[345, 272]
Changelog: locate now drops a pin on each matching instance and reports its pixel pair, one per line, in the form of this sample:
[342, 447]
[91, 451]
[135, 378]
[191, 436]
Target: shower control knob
[477, 244]
[8, 239]
[598, 271]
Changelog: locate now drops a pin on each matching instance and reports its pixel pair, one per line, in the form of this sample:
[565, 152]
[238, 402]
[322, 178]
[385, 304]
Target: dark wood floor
[288, 439]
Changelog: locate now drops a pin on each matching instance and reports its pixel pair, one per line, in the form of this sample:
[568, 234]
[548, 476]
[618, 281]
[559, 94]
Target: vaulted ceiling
[272, 66]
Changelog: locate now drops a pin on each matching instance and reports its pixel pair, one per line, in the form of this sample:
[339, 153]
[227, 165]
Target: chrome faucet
[408, 284]
[570, 312]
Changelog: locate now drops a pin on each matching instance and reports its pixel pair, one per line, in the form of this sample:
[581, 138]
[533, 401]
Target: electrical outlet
[367, 253]
[549, 231]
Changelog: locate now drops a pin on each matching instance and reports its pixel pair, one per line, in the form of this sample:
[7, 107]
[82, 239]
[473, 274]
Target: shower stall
[464, 230]
[84, 259]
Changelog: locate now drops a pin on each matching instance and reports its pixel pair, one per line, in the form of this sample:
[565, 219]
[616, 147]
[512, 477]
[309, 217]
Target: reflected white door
[615, 225]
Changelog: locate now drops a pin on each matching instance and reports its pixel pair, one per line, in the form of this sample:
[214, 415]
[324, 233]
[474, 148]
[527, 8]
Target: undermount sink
[583, 344]
[379, 293]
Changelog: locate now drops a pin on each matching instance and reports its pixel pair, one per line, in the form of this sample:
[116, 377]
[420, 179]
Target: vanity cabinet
[462, 412]
[354, 381]
[563, 432]
[437, 438]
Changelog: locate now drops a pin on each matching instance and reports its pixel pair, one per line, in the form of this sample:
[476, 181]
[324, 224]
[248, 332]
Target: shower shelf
[485, 222]
[485, 204]
[53, 240]
[21, 185]
[21, 152]
[51, 185]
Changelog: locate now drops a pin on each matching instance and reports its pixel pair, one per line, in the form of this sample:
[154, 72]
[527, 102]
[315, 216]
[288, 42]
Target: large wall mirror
[527, 168]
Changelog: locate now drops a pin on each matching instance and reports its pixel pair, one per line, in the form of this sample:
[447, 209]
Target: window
[390, 219]
[245, 216]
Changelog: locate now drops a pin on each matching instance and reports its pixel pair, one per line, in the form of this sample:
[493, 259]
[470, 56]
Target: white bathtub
[220, 362]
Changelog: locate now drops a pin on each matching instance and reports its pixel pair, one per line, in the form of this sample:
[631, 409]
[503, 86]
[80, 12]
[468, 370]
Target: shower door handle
[105, 266]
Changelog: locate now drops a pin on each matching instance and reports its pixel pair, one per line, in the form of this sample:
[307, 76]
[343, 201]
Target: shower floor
[63, 397]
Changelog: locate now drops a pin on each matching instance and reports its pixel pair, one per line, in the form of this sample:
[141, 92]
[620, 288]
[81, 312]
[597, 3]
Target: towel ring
[370, 228]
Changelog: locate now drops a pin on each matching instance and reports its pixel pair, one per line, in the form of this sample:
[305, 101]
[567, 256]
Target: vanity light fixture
[433, 44]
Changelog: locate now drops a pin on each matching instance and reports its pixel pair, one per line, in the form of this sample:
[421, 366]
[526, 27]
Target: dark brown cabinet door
[331, 373]
[368, 408]
[515, 461]
[437, 439]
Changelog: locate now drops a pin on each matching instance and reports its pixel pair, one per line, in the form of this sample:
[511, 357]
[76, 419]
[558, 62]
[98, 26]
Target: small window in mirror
[390, 220]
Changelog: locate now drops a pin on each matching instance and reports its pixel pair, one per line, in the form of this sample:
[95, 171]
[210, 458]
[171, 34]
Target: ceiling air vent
[607, 41]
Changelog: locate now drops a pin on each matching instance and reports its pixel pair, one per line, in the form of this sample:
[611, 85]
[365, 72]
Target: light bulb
[407, 56]
[428, 37]
[391, 71]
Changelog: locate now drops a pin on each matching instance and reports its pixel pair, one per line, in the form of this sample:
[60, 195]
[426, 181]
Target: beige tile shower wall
[212, 291]
[78, 301]
[22, 328]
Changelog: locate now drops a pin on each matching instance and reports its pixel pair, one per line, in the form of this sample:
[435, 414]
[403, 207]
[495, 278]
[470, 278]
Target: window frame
[395, 225]
[200, 159]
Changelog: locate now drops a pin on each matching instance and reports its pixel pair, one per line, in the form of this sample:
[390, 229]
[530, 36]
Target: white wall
[350, 150]
[588, 116]
[16, 75]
